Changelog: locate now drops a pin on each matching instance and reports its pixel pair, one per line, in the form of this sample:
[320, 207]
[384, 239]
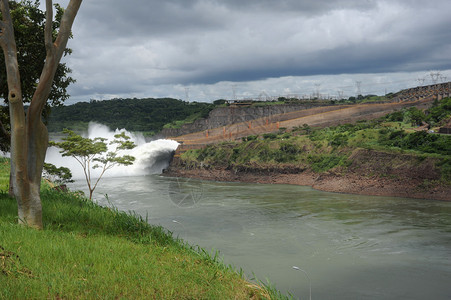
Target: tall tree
[29, 136]
[29, 26]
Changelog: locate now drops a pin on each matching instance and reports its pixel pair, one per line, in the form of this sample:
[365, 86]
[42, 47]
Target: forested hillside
[146, 115]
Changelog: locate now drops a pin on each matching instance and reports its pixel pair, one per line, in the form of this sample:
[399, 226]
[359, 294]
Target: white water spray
[151, 157]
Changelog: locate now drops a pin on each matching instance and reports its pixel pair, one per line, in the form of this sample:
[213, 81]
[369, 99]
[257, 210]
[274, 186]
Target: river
[343, 246]
[337, 246]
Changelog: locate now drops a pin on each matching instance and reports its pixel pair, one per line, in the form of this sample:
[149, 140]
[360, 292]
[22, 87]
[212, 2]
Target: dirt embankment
[316, 117]
[370, 173]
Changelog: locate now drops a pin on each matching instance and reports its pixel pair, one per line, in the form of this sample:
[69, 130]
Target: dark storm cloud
[146, 19]
[160, 18]
[305, 7]
[139, 45]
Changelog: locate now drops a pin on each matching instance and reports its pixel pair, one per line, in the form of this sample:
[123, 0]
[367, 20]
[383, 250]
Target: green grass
[190, 119]
[321, 163]
[275, 151]
[4, 174]
[88, 251]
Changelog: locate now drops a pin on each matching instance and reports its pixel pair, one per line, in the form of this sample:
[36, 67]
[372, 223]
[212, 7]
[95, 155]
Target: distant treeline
[146, 115]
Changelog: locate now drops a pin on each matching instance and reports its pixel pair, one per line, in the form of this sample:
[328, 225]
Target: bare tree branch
[54, 53]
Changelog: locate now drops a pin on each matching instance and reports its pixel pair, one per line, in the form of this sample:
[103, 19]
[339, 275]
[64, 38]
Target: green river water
[342, 246]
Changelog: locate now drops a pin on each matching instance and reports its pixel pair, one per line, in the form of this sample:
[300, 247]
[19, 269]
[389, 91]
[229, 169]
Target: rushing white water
[151, 157]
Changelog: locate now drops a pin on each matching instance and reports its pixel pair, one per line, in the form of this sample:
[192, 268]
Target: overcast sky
[214, 49]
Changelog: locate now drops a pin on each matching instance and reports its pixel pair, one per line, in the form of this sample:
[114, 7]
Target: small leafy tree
[416, 116]
[94, 153]
[61, 175]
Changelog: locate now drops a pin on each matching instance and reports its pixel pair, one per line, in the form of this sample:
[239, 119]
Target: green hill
[145, 115]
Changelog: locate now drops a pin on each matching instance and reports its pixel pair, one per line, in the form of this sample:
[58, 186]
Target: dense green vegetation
[189, 119]
[87, 251]
[282, 151]
[323, 149]
[146, 115]
[350, 100]
[366, 99]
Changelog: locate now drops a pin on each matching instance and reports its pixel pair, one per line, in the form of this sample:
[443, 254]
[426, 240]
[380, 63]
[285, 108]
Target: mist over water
[151, 157]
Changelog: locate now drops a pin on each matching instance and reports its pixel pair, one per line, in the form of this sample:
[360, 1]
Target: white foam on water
[150, 157]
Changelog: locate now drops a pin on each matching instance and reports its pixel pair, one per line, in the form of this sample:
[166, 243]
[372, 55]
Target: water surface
[351, 246]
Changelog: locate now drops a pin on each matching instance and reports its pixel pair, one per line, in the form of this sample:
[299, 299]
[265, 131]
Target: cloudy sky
[212, 49]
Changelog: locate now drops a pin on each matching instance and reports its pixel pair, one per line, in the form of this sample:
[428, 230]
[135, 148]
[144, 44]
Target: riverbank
[374, 173]
[387, 156]
[330, 182]
[88, 251]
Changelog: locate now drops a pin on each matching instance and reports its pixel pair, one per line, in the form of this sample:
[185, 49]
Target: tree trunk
[29, 136]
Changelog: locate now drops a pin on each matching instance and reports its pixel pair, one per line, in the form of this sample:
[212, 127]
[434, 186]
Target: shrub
[249, 138]
[397, 116]
[339, 140]
[420, 141]
[287, 152]
[393, 139]
[445, 168]
[324, 162]
[439, 111]
[289, 148]
[265, 154]
[416, 116]
[306, 128]
[269, 136]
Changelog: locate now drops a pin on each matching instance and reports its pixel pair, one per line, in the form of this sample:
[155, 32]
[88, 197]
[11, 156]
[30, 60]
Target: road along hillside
[314, 117]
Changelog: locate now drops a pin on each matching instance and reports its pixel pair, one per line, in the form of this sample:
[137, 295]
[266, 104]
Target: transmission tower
[421, 81]
[435, 76]
[443, 79]
[317, 85]
[358, 85]
[187, 94]
[234, 91]
[340, 94]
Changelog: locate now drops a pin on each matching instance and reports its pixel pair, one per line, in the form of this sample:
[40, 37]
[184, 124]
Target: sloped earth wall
[370, 173]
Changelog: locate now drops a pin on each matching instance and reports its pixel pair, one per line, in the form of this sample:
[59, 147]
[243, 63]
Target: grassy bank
[324, 150]
[87, 251]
